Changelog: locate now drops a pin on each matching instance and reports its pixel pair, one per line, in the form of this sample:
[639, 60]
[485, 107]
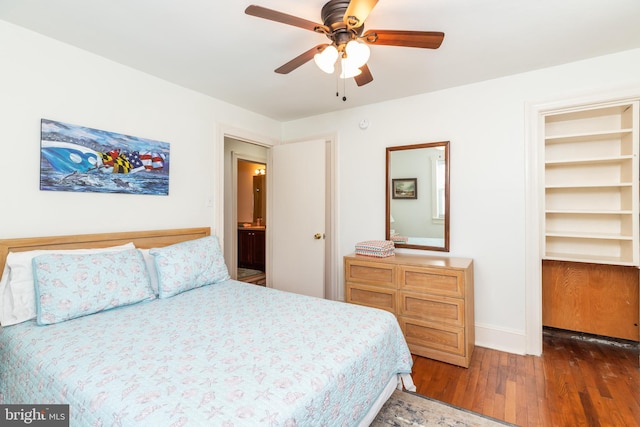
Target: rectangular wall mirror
[417, 195]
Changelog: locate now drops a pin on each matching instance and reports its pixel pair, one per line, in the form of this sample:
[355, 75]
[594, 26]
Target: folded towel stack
[375, 248]
[398, 238]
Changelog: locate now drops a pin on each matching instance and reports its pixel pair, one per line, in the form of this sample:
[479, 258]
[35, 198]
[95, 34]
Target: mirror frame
[390, 150]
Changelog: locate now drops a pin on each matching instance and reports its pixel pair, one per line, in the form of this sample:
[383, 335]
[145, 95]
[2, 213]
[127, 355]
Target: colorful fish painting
[77, 158]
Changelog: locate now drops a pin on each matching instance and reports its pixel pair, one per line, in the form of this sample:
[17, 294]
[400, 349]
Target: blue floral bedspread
[231, 354]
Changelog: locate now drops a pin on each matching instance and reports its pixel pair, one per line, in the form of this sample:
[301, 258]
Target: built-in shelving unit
[591, 185]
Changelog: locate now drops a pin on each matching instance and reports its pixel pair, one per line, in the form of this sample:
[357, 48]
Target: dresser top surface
[417, 260]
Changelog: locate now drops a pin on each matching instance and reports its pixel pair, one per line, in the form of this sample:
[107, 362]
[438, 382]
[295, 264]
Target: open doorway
[238, 148]
[251, 216]
[245, 210]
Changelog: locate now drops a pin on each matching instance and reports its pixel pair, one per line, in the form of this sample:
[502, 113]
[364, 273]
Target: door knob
[317, 236]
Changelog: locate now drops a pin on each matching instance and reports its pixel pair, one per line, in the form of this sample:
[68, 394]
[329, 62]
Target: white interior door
[297, 223]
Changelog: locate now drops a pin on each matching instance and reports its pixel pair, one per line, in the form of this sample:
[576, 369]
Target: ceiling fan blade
[300, 59]
[274, 15]
[364, 77]
[357, 12]
[421, 39]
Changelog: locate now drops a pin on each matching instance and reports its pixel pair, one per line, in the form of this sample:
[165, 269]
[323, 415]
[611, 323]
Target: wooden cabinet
[593, 298]
[432, 298]
[251, 249]
[591, 184]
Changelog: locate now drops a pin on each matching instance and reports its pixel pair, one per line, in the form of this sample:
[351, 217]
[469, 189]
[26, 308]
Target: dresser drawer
[369, 272]
[372, 296]
[424, 338]
[431, 308]
[436, 281]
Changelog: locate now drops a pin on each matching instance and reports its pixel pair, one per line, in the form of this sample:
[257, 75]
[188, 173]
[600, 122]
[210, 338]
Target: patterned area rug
[404, 409]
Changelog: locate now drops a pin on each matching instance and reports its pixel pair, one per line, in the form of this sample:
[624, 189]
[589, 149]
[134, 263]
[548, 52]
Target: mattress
[231, 354]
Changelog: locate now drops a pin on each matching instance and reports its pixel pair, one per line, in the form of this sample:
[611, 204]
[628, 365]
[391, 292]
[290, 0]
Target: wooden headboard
[142, 240]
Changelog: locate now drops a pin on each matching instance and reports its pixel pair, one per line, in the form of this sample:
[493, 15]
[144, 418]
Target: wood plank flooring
[582, 381]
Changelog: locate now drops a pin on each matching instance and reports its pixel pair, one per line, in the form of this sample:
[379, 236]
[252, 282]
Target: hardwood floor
[576, 382]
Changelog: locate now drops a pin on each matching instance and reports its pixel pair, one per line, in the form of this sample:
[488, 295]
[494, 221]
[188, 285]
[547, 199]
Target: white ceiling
[212, 47]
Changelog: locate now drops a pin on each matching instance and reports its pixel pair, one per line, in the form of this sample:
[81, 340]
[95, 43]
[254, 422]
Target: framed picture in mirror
[405, 188]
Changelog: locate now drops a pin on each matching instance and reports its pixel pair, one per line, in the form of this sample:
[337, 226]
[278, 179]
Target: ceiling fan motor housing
[333, 18]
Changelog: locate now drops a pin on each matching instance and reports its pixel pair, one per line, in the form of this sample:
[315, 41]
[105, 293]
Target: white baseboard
[509, 340]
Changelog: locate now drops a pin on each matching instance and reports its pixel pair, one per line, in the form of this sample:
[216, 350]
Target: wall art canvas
[77, 158]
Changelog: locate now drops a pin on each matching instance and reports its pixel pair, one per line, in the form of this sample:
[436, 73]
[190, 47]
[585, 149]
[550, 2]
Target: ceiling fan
[343, 24]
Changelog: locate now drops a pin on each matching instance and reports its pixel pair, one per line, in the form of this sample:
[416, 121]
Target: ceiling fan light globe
[326, 59]
[358, 53]
[349, 69]
[350, 73]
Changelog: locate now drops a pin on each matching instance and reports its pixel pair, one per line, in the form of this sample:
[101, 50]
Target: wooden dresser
[432, 298]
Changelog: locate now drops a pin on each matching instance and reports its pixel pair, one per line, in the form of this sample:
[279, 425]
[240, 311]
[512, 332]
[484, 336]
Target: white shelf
[591, 173]
[594, 260]
[588, 212]
[589, 161]
[586, 137]
[590, 186]
[589, 235]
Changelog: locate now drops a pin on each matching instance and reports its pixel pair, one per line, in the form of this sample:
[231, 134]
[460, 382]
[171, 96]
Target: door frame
[226, 237]
[332, 265]
[534, 193]
[233, 238]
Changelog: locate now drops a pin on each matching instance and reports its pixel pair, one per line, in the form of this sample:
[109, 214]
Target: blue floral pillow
[74, 285]
[189, 265]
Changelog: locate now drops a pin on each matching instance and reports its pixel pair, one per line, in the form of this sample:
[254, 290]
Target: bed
[212, 352]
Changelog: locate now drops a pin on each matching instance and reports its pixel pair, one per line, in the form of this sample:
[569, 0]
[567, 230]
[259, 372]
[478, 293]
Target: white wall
[486, 124]
[43, 78]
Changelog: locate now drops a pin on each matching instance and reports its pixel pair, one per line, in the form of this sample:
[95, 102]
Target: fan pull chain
[344, 85]
[344, 90]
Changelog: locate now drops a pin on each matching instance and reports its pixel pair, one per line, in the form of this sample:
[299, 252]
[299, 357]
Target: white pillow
[17, 288]
[6, 302]
[149, 260]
